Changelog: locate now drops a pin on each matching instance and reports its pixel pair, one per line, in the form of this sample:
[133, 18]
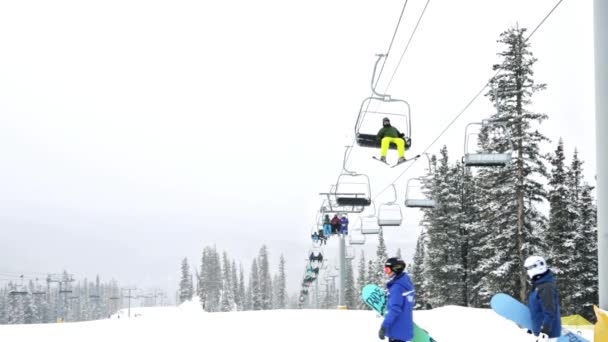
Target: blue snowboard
[375, 297]
[516, 311]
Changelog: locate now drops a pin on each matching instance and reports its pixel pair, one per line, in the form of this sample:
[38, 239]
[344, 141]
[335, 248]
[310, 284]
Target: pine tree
[265, 279]
[185, 284]
[512, 222]
[361, 282]
[234, 280]
[418, 271]
[350, 291]
[227, 301]
[281, 285]
[211, 280]
[254, 287]
[586, 289]
[560, 233]
[244, 298]
[381, 257]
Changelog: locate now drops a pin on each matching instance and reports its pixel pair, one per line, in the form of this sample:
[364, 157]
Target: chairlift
[330, 204]
[414, 198]
[486, 158]
[369, 223]
[389, 213]
[352, 189]
[355, 237]
[374, 109]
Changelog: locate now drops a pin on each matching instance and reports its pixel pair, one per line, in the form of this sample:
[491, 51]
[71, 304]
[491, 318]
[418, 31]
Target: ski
[382, 161]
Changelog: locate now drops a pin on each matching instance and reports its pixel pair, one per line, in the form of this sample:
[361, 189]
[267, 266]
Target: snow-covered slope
[189, 323]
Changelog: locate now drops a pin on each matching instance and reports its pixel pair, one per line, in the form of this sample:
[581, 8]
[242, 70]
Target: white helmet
[535, 265]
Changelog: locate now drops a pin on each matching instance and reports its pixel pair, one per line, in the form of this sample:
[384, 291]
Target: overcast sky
[134, 133]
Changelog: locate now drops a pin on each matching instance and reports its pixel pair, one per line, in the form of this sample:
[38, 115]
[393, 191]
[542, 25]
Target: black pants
[391, 340]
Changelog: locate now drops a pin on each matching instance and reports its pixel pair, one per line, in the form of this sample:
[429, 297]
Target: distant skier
[390, 135]
[398, 324]
[543, 300]
[344, 225]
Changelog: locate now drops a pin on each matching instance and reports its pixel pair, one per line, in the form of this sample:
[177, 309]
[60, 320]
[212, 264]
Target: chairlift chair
[374, 109]
[389, 213]
[369, 223]
[355, 237]
[486, 158]
[330, 204]
[415, 199]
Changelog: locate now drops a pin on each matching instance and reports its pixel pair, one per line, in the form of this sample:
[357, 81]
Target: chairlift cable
[407, 46]
[464, 109]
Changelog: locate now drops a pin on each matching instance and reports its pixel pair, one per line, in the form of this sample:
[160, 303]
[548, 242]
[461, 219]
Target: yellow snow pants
[386, 141]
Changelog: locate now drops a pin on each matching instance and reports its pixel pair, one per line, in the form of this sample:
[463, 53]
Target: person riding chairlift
[390, 135]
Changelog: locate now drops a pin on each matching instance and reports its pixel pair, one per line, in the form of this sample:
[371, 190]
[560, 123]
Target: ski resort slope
[189, 323]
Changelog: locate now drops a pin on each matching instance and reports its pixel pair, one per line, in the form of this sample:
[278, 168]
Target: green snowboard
[375, 298]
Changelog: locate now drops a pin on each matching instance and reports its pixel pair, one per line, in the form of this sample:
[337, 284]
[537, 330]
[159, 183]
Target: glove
[381, 333]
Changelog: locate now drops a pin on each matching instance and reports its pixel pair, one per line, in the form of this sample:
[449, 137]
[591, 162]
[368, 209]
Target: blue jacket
[399, 319]
[543, 303]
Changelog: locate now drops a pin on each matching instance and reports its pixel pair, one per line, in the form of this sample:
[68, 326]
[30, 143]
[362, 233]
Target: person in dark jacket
[543, 300]
[335, 224]
[390, 135]
[398, 324]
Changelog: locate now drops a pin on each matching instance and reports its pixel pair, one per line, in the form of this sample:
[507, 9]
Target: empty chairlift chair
[374, 109]
[369, 223]
[389, 213]
[414, 197]
[487, 158]
[352, 189]
[355, 237]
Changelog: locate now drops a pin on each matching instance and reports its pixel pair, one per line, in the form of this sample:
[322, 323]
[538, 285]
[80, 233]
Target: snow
[188, 322]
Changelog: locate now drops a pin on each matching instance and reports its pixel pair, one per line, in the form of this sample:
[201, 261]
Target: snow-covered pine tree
[418, 272]
[265, 279]
[372, 274]
[560, 233]
[445, 236]
[211, 280]
[227, 301]
[582, 293]
[512, 222]
[16, 314]
[586, 288]
[234, 280]
[185, 284]
[350, 291]
[245, 300]
[381, 256]
[254, 287]
[281, 285]
[3, 305]
[361, 282]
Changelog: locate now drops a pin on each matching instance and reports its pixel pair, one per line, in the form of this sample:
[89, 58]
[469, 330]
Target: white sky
[134, 133]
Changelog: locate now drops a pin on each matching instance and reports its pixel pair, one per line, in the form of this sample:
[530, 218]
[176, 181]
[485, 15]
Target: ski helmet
[396, 265]
[535, 265]
[386, 119]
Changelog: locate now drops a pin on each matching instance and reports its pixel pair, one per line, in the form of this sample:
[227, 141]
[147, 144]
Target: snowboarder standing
[390, 135]
[543, 300]
[398, 324]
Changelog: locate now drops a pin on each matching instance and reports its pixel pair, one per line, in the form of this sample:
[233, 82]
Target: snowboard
[516, 311]
[375, 298]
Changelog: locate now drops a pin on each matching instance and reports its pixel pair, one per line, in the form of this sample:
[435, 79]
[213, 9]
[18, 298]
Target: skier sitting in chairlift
[335, 224]
[391, 135]
[344, 225]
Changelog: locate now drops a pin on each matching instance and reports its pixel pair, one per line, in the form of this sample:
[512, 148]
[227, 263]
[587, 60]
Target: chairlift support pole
[600, 14]
[342, 269]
